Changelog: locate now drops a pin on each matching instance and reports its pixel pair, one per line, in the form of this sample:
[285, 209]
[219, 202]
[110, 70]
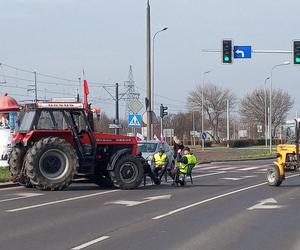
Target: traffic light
[296, 52]
[227, 51]
[162, 111]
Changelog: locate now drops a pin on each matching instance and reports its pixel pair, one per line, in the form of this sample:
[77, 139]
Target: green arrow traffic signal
[226, 58]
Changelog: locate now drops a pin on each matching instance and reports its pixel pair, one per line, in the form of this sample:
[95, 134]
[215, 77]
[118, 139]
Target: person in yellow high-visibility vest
[184, 159]
[160, 160]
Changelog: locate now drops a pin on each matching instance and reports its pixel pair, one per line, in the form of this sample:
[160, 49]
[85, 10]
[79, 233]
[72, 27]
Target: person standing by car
[160, 160]
[177, 145]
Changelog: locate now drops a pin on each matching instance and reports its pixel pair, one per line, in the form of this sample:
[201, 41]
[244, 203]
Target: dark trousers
[174, 173]
[148, 171]
[159, 171]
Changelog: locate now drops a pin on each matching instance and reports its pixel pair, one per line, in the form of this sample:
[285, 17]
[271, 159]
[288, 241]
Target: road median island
[222, 154]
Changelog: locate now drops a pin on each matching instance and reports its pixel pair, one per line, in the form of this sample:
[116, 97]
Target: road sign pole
[227, 123]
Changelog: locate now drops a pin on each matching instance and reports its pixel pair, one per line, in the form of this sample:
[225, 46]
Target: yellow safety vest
[191, 159]
[160, 160]
[182, 167]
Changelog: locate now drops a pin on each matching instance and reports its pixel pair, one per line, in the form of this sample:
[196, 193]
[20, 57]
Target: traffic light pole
[161, 127]
[255, 51]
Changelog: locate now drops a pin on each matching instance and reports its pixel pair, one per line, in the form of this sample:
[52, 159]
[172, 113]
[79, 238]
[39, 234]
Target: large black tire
[128, 172]
[15, 161]
[51, 163]
[273, 176]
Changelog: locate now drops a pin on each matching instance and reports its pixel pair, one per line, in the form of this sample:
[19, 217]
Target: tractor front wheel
[51, 163]
[128, 172]
[273, 176]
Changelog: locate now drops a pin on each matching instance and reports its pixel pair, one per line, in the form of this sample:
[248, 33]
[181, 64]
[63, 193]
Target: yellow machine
[287, 157]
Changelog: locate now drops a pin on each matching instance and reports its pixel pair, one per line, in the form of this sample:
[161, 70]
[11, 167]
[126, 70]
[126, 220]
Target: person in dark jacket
[177, 145]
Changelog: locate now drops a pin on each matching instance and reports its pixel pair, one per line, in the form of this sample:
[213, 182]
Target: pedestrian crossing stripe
[134, 121]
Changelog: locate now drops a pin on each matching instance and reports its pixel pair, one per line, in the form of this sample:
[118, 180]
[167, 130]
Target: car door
[169, 153]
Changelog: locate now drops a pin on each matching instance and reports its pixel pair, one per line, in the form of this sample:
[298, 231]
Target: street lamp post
[202, 108]
[270, 122]
[266, 112]
[148, 70]
[152, 83]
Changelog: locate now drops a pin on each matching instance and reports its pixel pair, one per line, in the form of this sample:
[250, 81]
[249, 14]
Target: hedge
[250, 142]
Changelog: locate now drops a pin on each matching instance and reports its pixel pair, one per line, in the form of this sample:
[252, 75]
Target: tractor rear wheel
[51, 163]
[15, 161]
[128, 172]
[273, 176]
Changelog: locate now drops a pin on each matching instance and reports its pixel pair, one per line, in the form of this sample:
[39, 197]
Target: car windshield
[147, 147]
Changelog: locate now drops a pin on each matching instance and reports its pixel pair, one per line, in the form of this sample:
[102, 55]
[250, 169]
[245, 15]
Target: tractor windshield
[290, 133]
[51, 120]
[27, 121]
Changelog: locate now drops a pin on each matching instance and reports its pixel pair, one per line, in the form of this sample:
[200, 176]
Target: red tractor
[55, 143]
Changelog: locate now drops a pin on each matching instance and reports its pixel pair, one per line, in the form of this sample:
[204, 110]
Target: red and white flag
[85, 90]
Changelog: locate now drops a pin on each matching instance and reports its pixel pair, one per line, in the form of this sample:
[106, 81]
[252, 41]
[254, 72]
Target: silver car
[149, 148]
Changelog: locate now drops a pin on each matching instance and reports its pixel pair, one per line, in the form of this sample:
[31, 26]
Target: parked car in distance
[149, 148]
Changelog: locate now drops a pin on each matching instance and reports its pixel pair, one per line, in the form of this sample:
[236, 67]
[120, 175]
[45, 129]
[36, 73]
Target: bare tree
[252, 107]
[214, 103]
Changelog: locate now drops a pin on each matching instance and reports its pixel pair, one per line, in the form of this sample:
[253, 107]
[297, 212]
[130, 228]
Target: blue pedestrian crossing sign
[242, 52]
[134, 121]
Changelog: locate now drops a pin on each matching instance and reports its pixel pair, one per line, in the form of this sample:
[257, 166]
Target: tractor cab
[66, 120]
[287, 155]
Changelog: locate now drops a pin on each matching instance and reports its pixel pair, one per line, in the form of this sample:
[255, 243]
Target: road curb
[254, 159]
[8, 184]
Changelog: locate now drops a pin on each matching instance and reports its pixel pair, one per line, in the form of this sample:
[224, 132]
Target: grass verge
[4, 174]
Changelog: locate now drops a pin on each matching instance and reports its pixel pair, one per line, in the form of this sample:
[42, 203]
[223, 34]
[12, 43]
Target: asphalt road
[228, 207]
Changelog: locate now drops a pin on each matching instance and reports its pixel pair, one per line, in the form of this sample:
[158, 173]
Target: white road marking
[92, 242]
[23, 196]
[212, 199]
[270, 203]
[209, 168]
[238, 178]
[135, 203]
[203, 175]
[61, 201]
[250, 168]
[227, 168]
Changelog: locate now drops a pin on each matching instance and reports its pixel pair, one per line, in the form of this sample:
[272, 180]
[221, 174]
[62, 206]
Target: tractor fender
[116, 156]
[280, 167]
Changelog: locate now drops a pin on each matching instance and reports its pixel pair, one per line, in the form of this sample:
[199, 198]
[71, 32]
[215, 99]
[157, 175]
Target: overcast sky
[58, 37]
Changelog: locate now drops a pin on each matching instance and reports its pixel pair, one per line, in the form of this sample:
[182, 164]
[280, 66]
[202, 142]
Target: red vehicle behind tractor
[55, 143]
